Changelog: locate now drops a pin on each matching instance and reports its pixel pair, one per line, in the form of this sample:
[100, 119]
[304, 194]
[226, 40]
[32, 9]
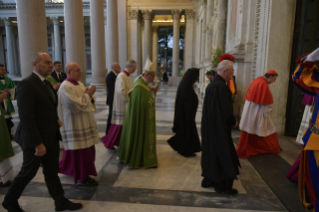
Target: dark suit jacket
[55, 76]
[110, 84]
[38, 114]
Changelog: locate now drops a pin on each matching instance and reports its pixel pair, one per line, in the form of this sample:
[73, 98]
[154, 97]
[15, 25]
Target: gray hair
[130, 63]
[225, 64]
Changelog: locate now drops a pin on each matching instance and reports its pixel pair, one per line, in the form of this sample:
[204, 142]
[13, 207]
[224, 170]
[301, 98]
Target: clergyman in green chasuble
[138, 139]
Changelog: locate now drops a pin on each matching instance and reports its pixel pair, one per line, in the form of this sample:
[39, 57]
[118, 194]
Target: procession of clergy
[61, 108]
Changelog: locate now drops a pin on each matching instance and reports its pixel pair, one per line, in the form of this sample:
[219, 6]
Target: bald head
[116, 67]
[42, 64]
[73, 70]
[225, 69]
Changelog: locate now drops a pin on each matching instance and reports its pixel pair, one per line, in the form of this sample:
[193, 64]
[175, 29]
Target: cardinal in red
[258, 135]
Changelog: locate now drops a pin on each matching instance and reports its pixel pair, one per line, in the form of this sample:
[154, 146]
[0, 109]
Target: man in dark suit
[110, 84]
[38, 135]
[57, 74]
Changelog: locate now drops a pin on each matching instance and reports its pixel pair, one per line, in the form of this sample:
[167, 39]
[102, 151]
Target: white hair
[225, 64]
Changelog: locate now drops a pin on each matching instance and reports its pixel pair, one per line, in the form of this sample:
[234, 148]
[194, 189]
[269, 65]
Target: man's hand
[235, 125]
[3, 95]
[57, 86]
[40, 150]
[90, 91]
[156, 88]
[60, 123]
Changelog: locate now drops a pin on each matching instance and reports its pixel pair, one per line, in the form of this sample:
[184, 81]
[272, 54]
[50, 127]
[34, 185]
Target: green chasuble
[51, 80]
[6, 150]
[8, 84]
[138, 138]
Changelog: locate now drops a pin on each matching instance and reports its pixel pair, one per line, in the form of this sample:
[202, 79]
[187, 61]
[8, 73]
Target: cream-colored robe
[123, 84]
[79, 130]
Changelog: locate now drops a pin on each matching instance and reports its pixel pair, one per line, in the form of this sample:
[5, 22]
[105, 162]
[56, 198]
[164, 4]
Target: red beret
[227, 57]
[272, 72]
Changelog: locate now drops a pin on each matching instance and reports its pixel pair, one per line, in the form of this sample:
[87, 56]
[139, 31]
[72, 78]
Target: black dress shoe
[66, 204]
[189, 155]
[231, 191]
[89, 182]
[8, 183]
[12, 208]
[206, 183]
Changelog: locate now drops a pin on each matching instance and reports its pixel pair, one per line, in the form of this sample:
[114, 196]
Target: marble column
[97, 43]
[176, 19]
[147, 15]
[74, 35]
[9, 39]
[105, 41]
[203, 34]
[112, 33]
[32, 26]
[122, 31]
[57, 39]
[189, 39]
[155, 49]
[134, 39]
[208, 37]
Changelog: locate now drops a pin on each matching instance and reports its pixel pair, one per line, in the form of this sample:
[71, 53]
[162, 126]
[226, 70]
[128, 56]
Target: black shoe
[66, 204]
[8, 183]
[206, 183]
[89, 182]
[189, 155]
[12, 208]
[231, 191]
[152, 167]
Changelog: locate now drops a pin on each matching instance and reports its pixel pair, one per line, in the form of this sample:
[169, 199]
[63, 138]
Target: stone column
[9, 39]
[203, 34]
[57, 39]
[134, 39]
[74, 35]
[147, 15]
[208, 37]
[189, 39]
[97, 43]
[155, 44]
[112, 33]
[122, 34]
[176, 17]
[105, 41]
[32, 26]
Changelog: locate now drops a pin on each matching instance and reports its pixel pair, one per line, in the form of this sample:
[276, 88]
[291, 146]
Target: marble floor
[176, 184]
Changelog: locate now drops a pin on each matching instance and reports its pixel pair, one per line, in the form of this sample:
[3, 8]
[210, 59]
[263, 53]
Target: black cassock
[219, 159]
[186, 141]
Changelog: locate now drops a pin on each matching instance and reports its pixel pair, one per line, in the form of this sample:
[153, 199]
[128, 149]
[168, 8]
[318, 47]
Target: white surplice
[123, 84]
[255, 119]
[76, 111]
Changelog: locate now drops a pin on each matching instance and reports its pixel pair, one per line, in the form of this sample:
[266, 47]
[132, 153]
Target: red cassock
[258, 135]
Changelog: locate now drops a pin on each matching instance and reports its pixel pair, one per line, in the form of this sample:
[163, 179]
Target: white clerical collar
[115, 73]
[41, 77]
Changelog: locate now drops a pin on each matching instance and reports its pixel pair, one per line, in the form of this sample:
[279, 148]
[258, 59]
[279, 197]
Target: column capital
[147, 14]
[7, 21]
[176, 14]
[190, 14]
[134, 14]
[55, 20]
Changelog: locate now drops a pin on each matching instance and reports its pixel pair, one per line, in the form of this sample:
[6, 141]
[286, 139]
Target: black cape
[186, 140]
[219, 158]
